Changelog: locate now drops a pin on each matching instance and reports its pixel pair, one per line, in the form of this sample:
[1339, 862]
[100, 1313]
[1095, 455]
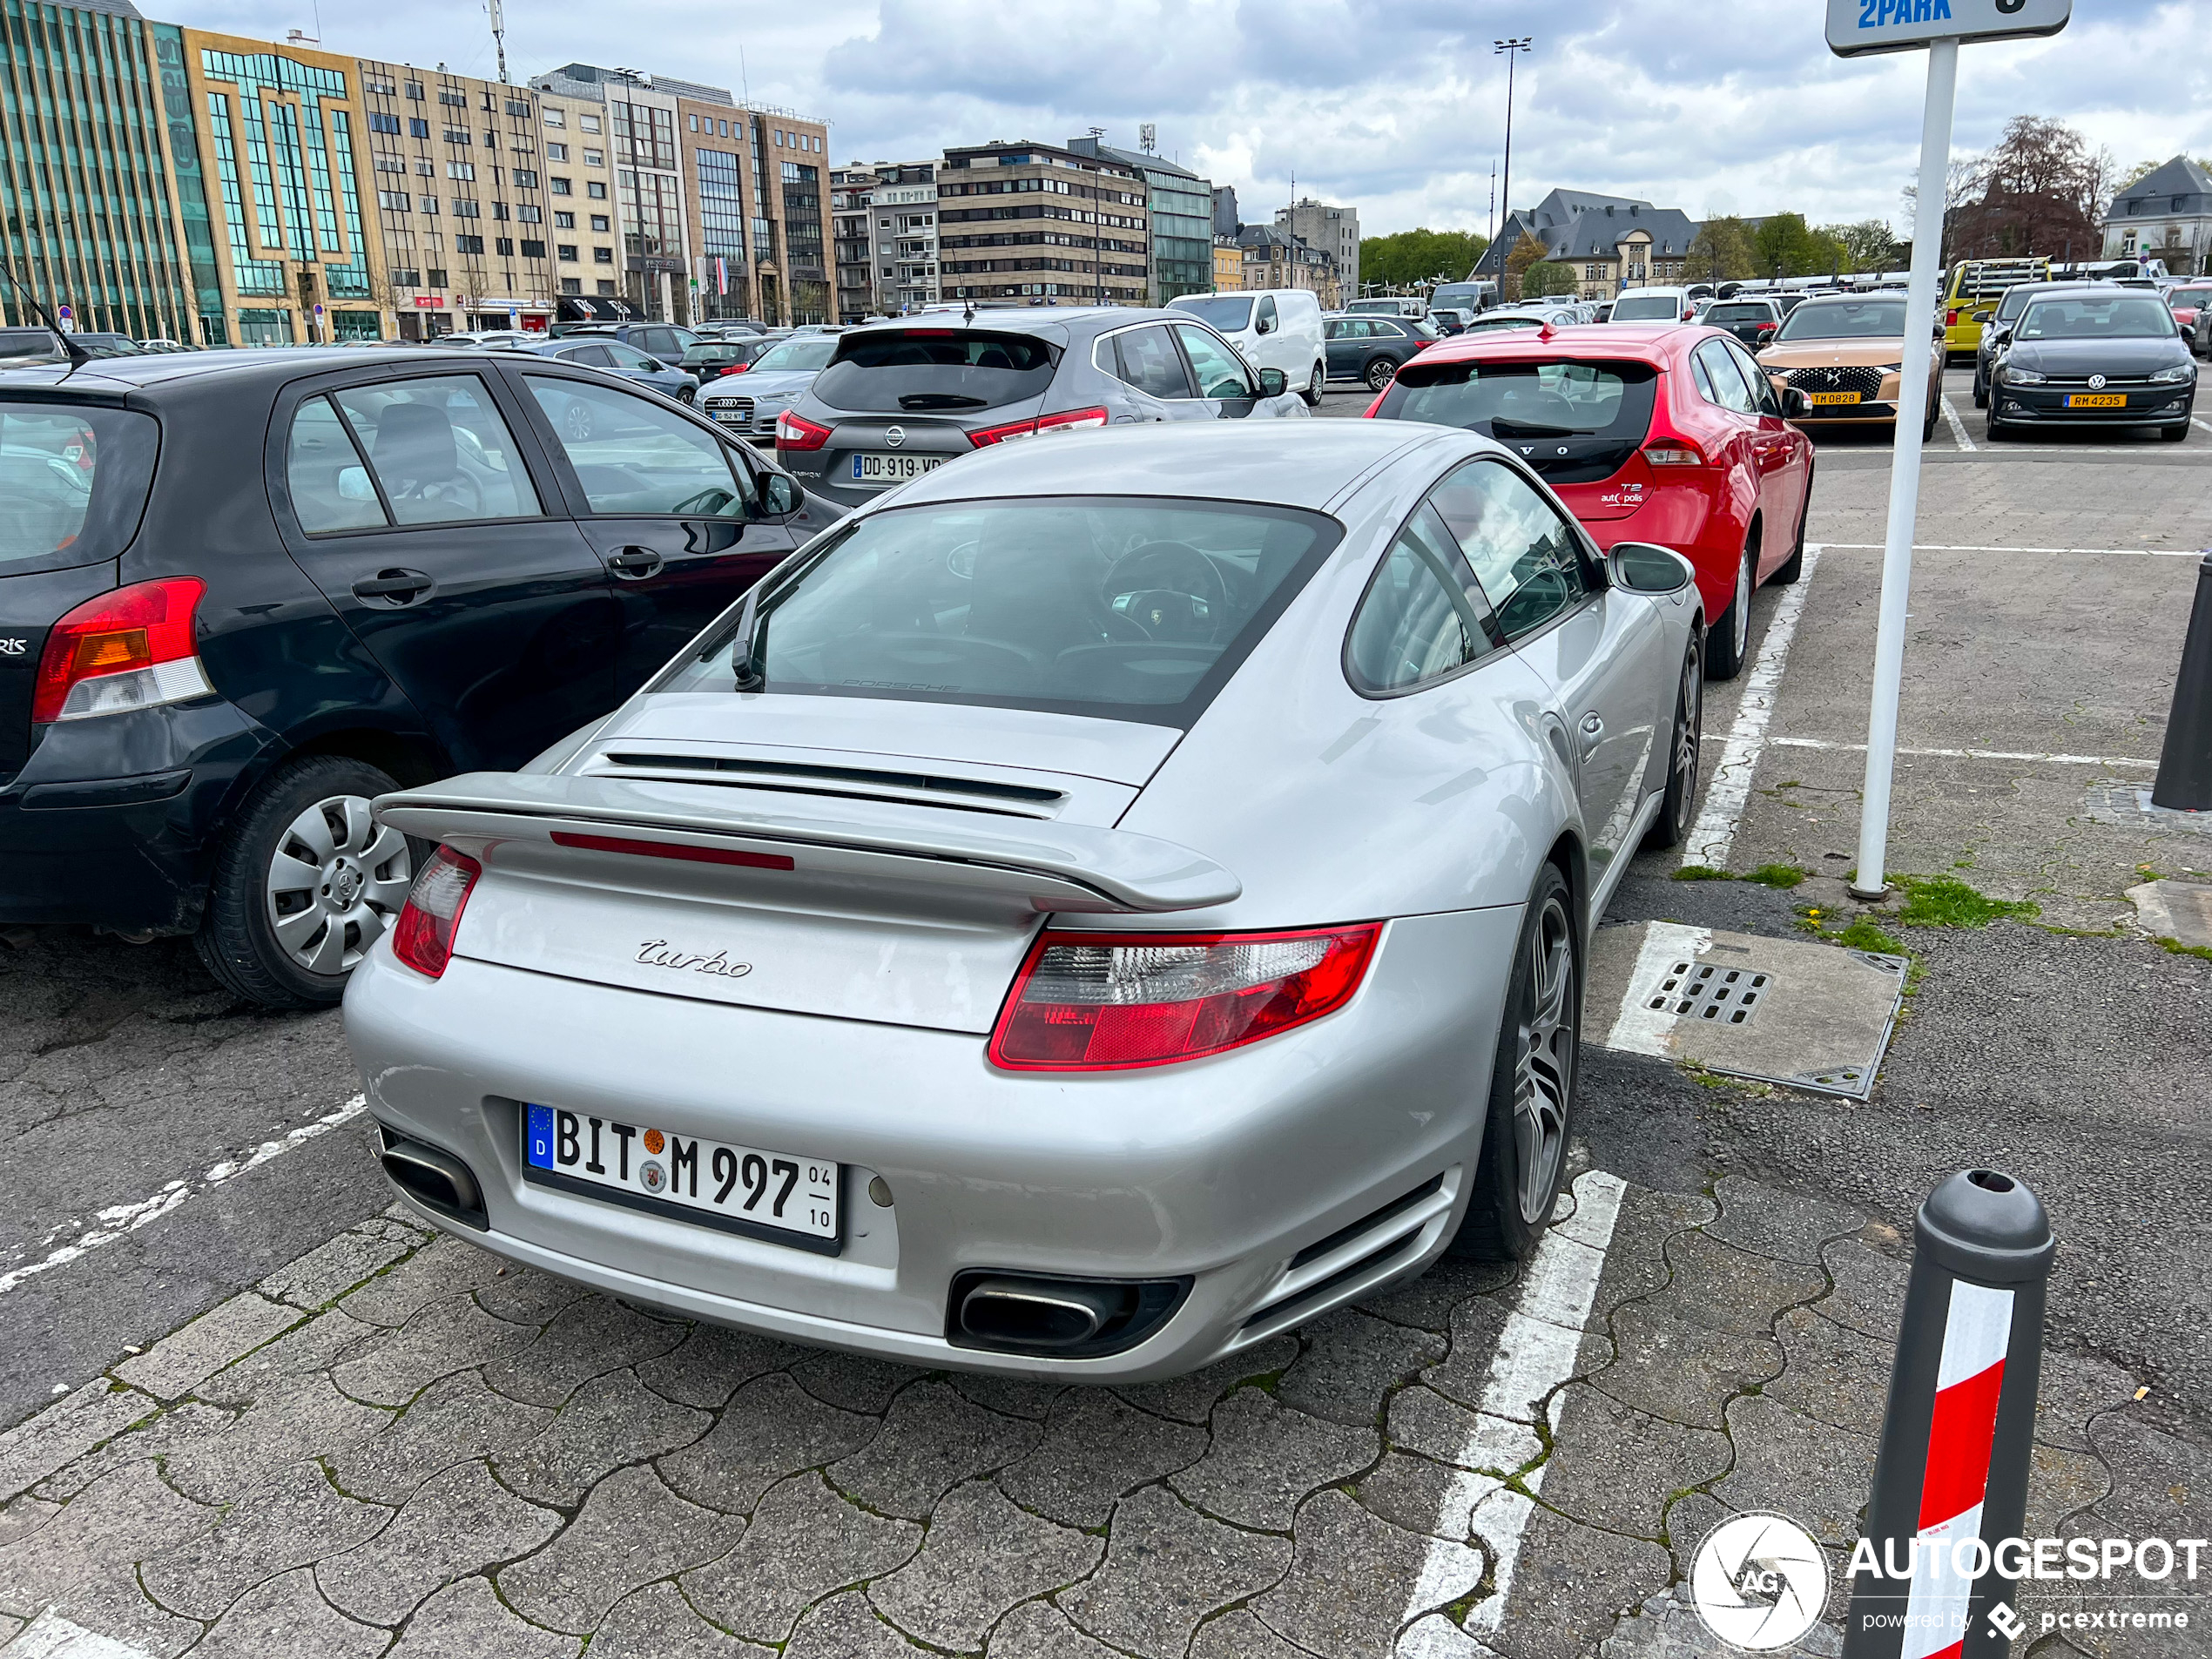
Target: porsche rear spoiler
[1052, 867]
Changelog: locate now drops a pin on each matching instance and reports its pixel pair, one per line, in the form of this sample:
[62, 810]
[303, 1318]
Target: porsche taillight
[1108, 1002]
[423, 938]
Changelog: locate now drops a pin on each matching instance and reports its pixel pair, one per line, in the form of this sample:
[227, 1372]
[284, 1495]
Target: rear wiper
[942, 401]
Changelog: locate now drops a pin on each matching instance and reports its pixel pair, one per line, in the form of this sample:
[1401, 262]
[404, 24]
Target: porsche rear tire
[1533, 1080]
[1678, 812]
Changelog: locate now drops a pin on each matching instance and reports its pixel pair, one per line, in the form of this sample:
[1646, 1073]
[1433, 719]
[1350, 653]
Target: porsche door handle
[1592, 733]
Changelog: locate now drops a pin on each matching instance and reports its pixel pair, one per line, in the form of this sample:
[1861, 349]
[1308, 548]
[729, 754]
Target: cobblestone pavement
[400, 1443]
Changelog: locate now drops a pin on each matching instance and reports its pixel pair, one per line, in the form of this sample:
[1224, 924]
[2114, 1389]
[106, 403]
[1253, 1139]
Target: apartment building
[688, 205]
[1334, 230]
[1042, 223]
[852, 247]
[459, 177]
[903, 220]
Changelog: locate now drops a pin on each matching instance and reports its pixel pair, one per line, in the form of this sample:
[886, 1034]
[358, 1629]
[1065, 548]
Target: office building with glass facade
[1037, 222]
[1181, 260]
[94, 231]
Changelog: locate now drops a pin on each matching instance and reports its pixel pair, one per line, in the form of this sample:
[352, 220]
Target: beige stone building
[1039, 223]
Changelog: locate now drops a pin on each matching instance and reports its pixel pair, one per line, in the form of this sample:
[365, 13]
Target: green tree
[1786, 244]
[1527, 252]
[1721, 249]
[1409, 259]
[1868, 245]
[1547, 276]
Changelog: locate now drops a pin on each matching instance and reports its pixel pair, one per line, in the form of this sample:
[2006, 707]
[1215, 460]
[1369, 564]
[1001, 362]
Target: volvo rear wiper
[1532, 428]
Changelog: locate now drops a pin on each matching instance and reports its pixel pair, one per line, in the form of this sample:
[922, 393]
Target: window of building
[568, 253]
[564, 221]
[722, 129]
[463, 208]
[391, 163]
[594, 157]
[605, 285]
[461, 170]
[525, 178]
[460, 135]
[595, 190]
[397, 200]
[694, 121]
[529, 214]
[602, 256]
[414, 89]
[459, 99]
[553, 117]
[425, 204]
[601, 222]
[437, 277]
[499, 210]
[468, 244]
[417, 128]
[504, 245]
[571, 285]
[588, 123]
[556, 151]
[403, 277]
[561, 187]
[516, 106]
[384, 123]
[426, 169]
[533, 249]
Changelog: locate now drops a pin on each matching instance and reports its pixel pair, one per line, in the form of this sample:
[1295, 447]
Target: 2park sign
[1858, 27]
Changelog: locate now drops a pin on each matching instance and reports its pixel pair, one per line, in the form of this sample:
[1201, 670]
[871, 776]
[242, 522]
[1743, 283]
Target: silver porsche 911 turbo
[1102, 904]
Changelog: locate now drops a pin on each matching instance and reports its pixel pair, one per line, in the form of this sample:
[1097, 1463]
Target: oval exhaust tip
[435, 1179]
[1009, 1312]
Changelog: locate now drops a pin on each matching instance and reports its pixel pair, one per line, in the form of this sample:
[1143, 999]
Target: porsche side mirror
[1272, 382]
[1645, 567]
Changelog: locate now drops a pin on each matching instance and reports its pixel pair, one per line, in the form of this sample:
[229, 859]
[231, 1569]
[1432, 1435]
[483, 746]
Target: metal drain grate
[1710, 991]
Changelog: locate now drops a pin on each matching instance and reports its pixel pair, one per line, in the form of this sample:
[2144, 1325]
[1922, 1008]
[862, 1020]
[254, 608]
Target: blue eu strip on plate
[541, 1138]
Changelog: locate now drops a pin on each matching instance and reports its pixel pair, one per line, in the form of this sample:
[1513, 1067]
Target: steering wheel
[462, 490]
[1168, 588]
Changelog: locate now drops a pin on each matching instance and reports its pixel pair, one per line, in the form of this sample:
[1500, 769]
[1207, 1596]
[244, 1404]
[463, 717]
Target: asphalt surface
[135, 1098]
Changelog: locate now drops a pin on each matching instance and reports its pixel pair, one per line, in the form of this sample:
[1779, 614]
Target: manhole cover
[1788, 1011]
[1706, 991]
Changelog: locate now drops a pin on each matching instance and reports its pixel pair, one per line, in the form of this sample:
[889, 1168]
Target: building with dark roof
[1182, 206]
[2165, 214]
[1611, 242]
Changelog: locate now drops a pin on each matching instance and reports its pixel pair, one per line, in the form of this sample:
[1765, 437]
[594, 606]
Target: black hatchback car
[2092, 356]
[242, 593]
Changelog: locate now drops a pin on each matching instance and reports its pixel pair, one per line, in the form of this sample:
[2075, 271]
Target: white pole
[1870, 881]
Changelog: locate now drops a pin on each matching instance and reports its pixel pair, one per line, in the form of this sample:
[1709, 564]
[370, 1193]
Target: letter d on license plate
[784, 1196]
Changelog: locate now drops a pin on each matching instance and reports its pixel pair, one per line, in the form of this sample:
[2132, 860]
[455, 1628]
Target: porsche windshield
[1135, 609]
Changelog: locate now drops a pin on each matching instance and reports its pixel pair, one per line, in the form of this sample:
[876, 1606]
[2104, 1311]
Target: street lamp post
[1510, 50]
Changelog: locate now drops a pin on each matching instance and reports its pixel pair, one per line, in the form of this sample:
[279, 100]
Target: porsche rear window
[73, 482]
[1116, 608]
[918, 370]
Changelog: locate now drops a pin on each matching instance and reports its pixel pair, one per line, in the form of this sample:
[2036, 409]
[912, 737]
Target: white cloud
[1394, 106]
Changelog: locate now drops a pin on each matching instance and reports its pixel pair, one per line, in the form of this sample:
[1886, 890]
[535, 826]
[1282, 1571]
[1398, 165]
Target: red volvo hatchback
[1663, 434]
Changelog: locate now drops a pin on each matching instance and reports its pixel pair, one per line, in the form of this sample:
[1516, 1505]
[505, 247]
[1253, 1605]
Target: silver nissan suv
[900, 398]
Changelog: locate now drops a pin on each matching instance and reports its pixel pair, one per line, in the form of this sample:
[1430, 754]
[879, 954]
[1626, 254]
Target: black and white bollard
[1951, 1475]
[2184, 781]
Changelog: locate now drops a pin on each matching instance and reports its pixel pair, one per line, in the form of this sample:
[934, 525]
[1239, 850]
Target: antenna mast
[499, 36]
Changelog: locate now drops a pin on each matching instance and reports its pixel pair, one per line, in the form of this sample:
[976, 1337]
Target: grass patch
[1863, 935]
[1945, 901]
[2175, 948]
[1777, 875]
[1701, 873]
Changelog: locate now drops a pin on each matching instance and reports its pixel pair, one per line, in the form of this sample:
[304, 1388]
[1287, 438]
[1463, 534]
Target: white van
[1274, 328]
[1655, 305]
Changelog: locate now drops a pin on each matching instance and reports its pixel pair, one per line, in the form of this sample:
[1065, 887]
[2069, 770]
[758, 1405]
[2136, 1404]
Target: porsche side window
[1423, 617]
[1523, 552]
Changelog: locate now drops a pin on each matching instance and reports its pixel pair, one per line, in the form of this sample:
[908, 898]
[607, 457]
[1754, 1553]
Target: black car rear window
[1574, 421]
[73, 482]
[918, 370]
[1116, 608]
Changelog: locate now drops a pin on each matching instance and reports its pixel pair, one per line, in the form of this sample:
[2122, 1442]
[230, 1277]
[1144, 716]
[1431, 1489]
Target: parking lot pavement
[292, 1422]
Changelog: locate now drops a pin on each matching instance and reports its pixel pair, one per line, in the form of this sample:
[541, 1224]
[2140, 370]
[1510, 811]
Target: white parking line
[51, 1637]
[2198, 421]
[1957, 427]
[120, 1220]
[1536, 1354]
[1731, 786]
[2112, 552]
[1972, 754]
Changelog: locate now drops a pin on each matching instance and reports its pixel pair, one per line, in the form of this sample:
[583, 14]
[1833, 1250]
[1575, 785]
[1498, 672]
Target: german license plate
[784, 1197]
[893, 469]
[2096, 400]
[1818, 398]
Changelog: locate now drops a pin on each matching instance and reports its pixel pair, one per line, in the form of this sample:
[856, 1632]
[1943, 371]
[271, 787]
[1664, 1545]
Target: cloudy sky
[1396, 107]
